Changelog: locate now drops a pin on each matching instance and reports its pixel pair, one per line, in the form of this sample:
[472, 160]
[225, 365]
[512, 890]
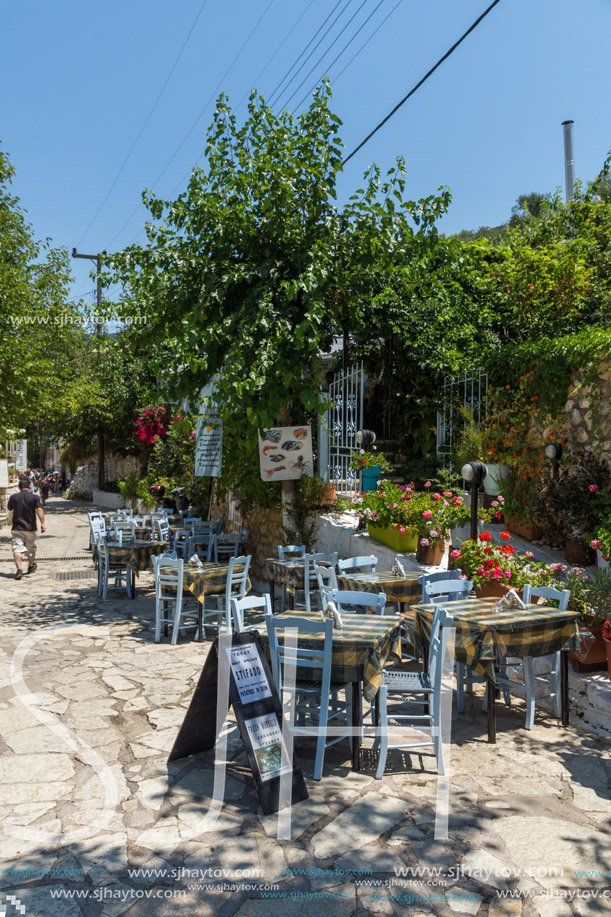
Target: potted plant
[388, 516]
[521, 502]
[370, 466]
[593, 600]
[495, 568]
[601, 543]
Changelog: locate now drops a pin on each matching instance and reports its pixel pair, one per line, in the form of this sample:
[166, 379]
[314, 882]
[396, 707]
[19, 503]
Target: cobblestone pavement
[96, 823]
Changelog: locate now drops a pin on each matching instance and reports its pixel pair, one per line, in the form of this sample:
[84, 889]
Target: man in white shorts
[25, 507]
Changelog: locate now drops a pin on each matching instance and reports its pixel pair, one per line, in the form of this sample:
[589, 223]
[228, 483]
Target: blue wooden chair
[366, 563]
[525, 681]
[246, 604]
[349, 602]
[415, 687]
[312, 705]
[170, 597]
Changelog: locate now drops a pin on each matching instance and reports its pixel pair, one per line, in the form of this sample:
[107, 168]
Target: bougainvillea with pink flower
[153, 423]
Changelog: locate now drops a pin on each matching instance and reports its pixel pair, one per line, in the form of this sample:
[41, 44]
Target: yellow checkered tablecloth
[363, 646]
[138, 556]
[209, 579]
[289, 573]
[397, 588]
[485, 636]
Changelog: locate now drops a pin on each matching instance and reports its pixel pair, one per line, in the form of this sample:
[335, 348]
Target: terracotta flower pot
[527, 530]
[494, 590]
[329, 495]
[431, 555]
[577, 552]
[592, 655]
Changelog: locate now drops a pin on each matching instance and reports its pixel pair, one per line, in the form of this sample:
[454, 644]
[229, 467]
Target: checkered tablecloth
[397, 588]
[485, 636]
[363, 646]
[288, 573]
[138, 556]
[209, 579]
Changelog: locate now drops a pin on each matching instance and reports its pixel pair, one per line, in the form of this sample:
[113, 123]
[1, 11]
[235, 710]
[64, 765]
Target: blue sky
[79, 80]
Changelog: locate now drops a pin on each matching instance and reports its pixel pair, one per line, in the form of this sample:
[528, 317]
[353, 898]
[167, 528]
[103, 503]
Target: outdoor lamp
[474, 473]
[365, 438]
[554, 453]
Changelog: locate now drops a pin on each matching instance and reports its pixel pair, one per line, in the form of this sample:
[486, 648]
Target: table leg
[491, 701]
[133, 583]
[356, 725]
[272, 594]
[564, 686]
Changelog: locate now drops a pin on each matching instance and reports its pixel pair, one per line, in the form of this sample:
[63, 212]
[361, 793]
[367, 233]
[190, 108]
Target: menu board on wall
[285, 453]
[4, 482]
[208, 436]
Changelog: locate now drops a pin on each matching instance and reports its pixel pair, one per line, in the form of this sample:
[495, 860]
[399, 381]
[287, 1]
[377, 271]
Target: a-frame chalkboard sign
[239, 661]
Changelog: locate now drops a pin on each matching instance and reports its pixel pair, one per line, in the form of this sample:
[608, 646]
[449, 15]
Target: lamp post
[365, 438]
[474, 473]
[554, 453]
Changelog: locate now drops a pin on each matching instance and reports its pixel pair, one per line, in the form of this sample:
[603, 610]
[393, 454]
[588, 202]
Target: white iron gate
[338, 428]
[463, 395]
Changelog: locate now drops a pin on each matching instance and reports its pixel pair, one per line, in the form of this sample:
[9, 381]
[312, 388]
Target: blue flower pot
[369, 478]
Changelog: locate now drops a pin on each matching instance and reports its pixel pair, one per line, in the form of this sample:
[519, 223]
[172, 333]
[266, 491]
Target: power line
[335, 40]
[278, 49]
[366, 42]
[275, 95]
[146, 121]
[345, 48]
[420, 83]
[198, 119]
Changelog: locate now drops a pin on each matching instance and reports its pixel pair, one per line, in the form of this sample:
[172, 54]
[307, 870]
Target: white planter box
[602, 563]
[108, 500]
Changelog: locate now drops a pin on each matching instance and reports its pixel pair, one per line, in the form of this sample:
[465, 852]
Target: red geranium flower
[485, 536]
[505, 535]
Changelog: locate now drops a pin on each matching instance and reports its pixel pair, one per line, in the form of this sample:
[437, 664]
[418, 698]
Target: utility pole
[569, 161]
[99, 328]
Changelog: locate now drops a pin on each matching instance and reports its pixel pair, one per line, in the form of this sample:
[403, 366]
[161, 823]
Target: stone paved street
[90, 706]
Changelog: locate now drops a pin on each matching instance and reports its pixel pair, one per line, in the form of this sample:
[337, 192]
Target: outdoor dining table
[208, 579]
[485, 636]
[361, 649]
[403, 589]
[289, 573]
[137, 555]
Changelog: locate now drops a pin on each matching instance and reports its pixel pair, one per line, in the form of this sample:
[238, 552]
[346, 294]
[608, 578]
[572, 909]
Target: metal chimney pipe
[569, 162]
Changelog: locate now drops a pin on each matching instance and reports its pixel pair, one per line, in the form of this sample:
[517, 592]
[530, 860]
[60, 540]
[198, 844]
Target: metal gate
[338, 428]
[467, 394]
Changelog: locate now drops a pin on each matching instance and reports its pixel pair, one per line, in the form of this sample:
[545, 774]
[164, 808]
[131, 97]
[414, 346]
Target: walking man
[24, 507]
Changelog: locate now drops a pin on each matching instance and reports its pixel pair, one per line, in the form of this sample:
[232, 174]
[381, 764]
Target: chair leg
[529, 682]
[158, 620]
[554, 677]
[381, 700]
[321, 743]
[460, 688]
[175, 627]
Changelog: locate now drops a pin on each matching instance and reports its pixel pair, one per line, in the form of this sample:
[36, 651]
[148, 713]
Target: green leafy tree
[254, 270]
[39, 329]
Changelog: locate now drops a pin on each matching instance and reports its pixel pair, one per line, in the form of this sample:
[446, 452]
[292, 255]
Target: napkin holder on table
[195, 560]
[510, 600]
[331, 611]
[398, 568]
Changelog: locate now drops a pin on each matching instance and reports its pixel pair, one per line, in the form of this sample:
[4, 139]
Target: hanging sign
[21, 455]
[285, 453]
[4, 481]
[208, 436]
[237, 670]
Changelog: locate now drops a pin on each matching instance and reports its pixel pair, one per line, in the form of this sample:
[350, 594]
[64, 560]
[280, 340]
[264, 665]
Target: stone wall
[264, 527]
[586, 422]
[86, 477]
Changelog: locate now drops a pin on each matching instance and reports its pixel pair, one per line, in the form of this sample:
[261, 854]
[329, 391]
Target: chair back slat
[446, 591]
[438, 577]
[562, 596]
[348, 601]
[294, 550]
[248, 603]
[366, 562]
